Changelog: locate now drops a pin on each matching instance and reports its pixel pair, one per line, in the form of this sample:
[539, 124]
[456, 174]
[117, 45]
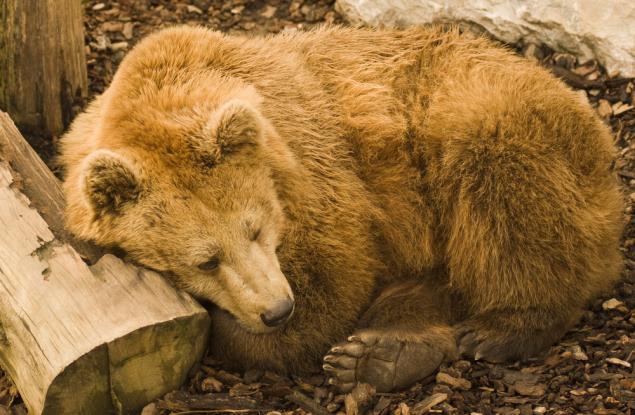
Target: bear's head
[204, 211]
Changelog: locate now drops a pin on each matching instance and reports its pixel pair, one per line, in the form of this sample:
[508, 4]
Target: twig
[575, 80]
[306, 403]
[218, 411]
[612, 83]
[211, 402]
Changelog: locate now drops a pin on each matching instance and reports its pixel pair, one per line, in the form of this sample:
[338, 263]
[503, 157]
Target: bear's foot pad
[380, 360]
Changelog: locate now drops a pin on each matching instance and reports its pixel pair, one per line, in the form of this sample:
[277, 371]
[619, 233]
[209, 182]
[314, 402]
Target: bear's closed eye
[210, 265]
[255, 234]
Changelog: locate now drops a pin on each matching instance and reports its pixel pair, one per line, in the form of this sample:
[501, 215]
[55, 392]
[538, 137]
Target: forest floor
[590, 371]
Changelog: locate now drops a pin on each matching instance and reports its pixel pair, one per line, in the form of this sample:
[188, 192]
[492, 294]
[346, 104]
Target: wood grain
[39, 184]
[42, 62]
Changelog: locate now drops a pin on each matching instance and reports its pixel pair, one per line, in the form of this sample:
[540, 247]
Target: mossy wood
[42, 63]
[80, 339]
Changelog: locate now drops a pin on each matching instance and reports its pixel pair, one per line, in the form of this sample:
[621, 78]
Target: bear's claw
[380, 360]
[478, 341]
[471, 344]
[340, 364]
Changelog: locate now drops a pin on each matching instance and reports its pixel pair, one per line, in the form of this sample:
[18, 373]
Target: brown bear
[402, 196]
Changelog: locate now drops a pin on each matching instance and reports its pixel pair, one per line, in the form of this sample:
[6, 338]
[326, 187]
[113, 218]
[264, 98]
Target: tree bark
[79, 339]
[42, 63]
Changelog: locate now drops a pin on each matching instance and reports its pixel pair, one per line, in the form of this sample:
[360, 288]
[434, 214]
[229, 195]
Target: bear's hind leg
[403, 337]
[530, 240]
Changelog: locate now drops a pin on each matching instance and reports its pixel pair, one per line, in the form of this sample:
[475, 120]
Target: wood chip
[119, 46]
[112, 26]
[269, 12]
[621, 108]
[150, 409]
[128, 30]
[614, 302]
[585, 69]
[227, 377]
[456, 383]
[211, 384]
[578, 354]
[240, 389]
[532, 51]
[618, 362]
[359, 398]
[350, 405]
[427, 404]
[604, 108]
[530, 389]
[402, 409]
[628, 384]
[383, 403]
[101, 43]
[193, 9]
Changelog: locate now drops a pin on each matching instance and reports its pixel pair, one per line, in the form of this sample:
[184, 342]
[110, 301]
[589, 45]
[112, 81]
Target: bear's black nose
[279, 313]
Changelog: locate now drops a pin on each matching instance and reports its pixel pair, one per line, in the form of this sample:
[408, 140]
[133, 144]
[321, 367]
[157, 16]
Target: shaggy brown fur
[432, 191]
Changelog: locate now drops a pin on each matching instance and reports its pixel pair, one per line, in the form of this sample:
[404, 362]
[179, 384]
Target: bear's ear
[235, 124]
[109, 182]
[233, 127]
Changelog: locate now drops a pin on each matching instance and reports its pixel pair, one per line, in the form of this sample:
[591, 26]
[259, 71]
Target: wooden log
[80, 339]
[42, 63]
[39, 184]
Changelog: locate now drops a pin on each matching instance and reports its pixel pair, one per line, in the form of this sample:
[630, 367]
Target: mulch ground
[591, 371]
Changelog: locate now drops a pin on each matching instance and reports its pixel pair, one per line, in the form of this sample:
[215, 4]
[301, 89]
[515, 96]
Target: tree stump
[42, 63]
[80, 339]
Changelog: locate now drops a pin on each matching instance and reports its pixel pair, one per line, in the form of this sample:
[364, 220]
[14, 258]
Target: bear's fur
[429, 192]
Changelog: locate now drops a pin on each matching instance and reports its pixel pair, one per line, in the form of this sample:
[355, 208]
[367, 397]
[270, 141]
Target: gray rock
[587, 28]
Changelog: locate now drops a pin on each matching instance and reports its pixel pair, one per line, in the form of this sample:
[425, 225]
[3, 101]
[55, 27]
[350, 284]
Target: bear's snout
[279, 313]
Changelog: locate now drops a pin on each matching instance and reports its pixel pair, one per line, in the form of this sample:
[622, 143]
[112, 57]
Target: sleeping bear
[372, 202]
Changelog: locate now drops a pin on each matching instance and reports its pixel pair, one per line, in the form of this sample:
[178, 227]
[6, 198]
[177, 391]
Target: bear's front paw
[380, 360]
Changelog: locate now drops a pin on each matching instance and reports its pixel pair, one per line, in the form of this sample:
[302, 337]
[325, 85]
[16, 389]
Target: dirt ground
[591, 370]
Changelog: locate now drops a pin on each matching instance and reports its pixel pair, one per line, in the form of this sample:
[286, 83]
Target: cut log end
[124, 375]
